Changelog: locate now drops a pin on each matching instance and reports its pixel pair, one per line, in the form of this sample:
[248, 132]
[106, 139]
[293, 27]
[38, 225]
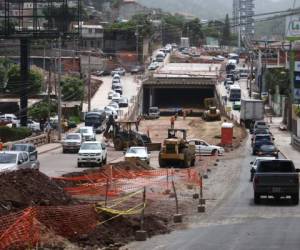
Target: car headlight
[80, 154]
[98, 154]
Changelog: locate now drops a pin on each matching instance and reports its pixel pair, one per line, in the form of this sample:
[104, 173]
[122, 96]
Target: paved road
[100, 100]
[236, 223]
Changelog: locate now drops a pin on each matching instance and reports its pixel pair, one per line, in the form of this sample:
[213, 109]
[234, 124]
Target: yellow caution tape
[135, 210]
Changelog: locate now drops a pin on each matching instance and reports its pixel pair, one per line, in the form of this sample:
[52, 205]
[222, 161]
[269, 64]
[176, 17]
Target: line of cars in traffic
[271, 176]
[94, 153]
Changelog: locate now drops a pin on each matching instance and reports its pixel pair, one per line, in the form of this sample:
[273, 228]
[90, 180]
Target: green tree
[226, 34]
[14, 80]
[277, 77]
[72, 89]
[41, 110]
[4, 67]
[193, 30]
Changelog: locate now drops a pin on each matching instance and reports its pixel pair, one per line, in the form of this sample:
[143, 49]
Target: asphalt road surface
[236, 223]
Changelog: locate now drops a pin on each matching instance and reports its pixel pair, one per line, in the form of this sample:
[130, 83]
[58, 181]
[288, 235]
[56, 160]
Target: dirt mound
[121, 230]
[23, 188]
[124, 165]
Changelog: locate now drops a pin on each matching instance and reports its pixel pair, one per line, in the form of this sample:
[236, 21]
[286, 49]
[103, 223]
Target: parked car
[32, 152]
[123, 102]
[219, 58]
[137, 69]
[72, 142]
[11, 119]
[14, 160]
[34, 126]
[253, 165]
[204, 148]
[87, 133]
[102, 73]
[153, 66]
[121, 71]
[92, 153]
[277, 178]
[140, 153]
[27, 147]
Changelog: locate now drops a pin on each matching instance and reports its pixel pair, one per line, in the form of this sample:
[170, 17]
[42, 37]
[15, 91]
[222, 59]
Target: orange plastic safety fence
[124, 181]
[23, 230]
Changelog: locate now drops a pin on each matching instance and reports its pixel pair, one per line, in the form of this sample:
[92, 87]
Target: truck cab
[154, 113]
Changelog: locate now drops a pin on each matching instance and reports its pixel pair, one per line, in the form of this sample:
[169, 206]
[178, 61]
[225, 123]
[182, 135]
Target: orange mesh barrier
[121, 181]
[23, 229]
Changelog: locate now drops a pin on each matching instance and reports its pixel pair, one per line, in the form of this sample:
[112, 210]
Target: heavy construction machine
[176, 150]
[212, 113]
[125, 134]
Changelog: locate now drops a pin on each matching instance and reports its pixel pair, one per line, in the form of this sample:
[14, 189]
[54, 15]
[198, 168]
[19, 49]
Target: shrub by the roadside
[13, 134]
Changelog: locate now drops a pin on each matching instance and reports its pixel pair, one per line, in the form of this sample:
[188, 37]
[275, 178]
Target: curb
[48, 150]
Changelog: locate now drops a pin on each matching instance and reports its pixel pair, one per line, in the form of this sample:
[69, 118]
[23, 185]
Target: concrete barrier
[296, 142]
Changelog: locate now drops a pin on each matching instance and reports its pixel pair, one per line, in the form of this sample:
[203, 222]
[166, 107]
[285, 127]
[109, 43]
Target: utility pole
[24, 51]
[89, 83]
[59, 90]
[137, 42]
[239, 33]
[251, 74]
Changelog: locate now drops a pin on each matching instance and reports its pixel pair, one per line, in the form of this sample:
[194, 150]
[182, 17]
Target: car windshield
[18, 147]
[72, 137]
[267, 148]
[276, 166]
[136, 150]
[153, 109]
[91, 146]
[7, 158]
[84, 130]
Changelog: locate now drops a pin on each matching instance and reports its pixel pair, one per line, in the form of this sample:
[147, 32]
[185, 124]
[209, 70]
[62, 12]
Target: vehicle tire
[256, 198]
[162, 163]
[187, 162]
[79, 165]
[105, 161]
[118, 144]
[214, 152]
[295, 199]
[64, 151]
[193, 162]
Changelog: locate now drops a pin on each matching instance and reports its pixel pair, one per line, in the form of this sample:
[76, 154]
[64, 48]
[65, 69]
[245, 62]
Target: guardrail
[36, 140]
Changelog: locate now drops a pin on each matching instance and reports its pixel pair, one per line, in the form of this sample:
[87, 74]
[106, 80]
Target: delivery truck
[251, 110]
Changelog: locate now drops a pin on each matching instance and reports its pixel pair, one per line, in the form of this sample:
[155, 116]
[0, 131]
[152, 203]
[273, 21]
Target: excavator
[125, 134]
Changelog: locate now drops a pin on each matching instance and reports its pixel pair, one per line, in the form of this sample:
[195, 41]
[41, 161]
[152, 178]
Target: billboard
[293, 26]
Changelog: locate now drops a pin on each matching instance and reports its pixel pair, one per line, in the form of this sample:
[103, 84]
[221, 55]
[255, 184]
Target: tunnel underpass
[165, 98]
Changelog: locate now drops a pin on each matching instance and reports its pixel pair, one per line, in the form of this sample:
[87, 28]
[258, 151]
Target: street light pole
[59, 90]
[89, 83]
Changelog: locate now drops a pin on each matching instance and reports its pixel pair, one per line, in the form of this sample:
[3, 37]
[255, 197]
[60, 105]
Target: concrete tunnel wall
[176, 97]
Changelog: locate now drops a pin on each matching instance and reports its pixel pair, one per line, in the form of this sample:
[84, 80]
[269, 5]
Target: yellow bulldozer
[177, 151]
[212, 113]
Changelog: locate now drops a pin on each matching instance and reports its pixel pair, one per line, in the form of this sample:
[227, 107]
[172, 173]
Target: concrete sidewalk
[48, 147]
[283, 141]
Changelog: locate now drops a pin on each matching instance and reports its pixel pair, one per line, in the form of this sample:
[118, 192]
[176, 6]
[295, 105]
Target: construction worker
[184, 114]
[1, 145]
[172, 120]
